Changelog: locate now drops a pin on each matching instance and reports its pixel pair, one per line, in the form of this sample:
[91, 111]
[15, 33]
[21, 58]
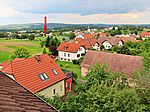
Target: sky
[75, 11]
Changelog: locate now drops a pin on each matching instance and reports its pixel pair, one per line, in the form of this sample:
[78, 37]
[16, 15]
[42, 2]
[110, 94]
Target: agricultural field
[7, 47]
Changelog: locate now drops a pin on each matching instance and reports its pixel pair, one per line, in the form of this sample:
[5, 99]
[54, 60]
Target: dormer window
[54, 71]
[43, 76]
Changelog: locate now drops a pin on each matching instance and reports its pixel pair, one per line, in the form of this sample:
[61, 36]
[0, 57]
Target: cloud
[75, 11]
[82, 7]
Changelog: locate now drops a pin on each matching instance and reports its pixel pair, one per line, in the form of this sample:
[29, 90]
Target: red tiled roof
[145, 34]
[103, 34]
[111, 40]
[26, 72]
[127, 39]
[116, 62]
[15, 98]
[69, 47]
[87, 43]
[88, 36]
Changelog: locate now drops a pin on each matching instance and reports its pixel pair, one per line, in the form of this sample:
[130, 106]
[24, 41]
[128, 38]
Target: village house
[145, 35]
[39, 74]
[69, 51]
[109, 42]
[85, 35]
[129, 39]
[124, 64]
[102, 34]
[16, 98]
[88, 43]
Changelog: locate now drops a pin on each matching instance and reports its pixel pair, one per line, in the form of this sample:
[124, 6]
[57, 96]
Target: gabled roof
[87, 43]
[111, 40]
[26, 72]
[88, 36]
[15, 98]
[102, 34]
[69, 47]
[126, 64]
[131, 39]
[145, 34]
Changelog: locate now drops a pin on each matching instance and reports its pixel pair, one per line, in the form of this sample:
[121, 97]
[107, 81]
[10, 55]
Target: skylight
[43, 76]
[54, 71]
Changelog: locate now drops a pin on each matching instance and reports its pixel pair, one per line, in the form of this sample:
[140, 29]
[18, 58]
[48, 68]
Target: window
[68, 55]
[54, 91]
[68, 59]
[54, 71]
[65, 54]
[43, 76]
[61, 59]
[78, 55]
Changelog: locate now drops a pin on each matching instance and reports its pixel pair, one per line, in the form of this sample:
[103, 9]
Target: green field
[8, 45]
[4, 56]
[70, 66]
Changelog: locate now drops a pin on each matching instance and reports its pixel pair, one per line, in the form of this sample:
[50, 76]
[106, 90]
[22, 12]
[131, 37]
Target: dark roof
[15, 98]
[26, 72]
[126, 64]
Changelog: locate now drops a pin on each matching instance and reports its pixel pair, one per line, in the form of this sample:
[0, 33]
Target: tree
[24, 36]
[71, 36]
[20, 52]
[124, 50]
[44, 50]
[2, 35]
[47, 42]
[31, 37]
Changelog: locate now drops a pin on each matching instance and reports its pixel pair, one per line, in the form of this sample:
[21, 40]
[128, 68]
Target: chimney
[45, 26]
[37, 57]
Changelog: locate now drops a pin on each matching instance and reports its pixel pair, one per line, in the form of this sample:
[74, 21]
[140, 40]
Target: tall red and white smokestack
[45, 26]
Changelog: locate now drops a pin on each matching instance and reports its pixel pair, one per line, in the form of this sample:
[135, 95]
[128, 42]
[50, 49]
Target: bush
[66, 66]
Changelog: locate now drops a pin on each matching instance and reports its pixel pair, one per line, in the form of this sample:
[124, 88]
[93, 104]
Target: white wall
[80, 36]
[96, 46]
[68, 56]
[107, 45]
[120, 43]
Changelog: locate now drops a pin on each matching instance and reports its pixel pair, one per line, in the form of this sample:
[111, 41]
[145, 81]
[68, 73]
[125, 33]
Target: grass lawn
[8, 45]
[70, 66]
[4, 56]
[32, 49]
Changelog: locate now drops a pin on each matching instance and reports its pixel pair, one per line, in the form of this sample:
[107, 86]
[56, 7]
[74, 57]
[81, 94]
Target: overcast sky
[75, 11]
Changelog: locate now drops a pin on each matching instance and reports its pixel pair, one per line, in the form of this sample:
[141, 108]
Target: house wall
[96, 46]
[107, 45]
[120, 43]
[59, 89]
[84, 71]
[80, 36]
[68, 56]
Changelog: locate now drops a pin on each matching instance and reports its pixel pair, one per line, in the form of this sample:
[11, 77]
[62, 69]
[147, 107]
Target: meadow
[8, 45]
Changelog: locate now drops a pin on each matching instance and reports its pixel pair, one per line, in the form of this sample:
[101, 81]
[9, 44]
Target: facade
[116, 62]
[145, 35]
[39, 74]
[91, 43]
[16, 98]
[109, 42]
[70, 51]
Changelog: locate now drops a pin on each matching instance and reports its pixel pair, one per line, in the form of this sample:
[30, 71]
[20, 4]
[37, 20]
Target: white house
[109, 42]
[68, 51]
